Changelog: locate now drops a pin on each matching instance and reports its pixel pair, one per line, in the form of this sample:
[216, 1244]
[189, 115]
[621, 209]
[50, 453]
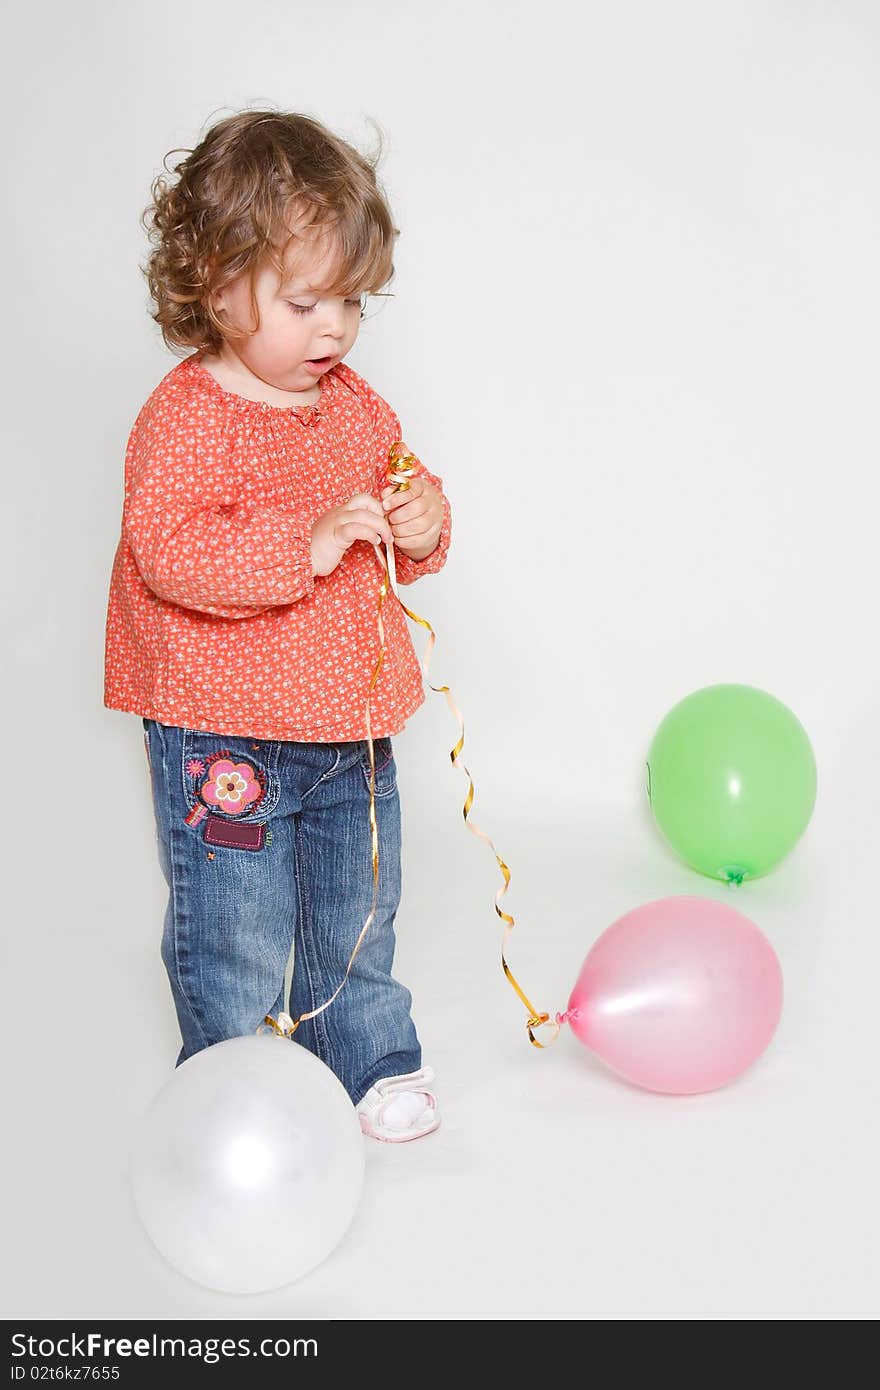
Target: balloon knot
[283, 1026]
[733, 875]
[538, 1021]
[567, 1016]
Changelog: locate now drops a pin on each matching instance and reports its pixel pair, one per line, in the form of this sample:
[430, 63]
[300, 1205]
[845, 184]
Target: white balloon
[248, 1167]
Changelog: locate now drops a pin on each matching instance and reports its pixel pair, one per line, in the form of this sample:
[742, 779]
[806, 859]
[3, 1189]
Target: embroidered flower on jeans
[231, 786]
[195, 767]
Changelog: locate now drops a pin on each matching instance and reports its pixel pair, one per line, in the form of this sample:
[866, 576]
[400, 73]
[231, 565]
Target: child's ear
[217, 305]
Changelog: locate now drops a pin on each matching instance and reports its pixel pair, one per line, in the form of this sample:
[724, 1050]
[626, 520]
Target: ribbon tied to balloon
[678, 995]
[401, 467]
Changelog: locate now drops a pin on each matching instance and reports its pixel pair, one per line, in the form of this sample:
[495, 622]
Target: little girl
[242, 619]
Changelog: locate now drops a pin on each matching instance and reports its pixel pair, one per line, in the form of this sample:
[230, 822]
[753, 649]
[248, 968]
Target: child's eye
[307, 308]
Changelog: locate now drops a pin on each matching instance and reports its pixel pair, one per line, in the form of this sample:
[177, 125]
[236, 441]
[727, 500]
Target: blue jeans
[264, 844]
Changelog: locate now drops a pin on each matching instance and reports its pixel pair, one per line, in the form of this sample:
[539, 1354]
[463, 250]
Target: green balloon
[731, 781]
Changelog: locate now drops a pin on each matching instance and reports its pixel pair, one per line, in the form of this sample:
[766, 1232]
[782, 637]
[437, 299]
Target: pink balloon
[679, 995]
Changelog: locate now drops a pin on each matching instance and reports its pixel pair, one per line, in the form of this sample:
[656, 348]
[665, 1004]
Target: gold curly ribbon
[402, 466]
[284, 1025]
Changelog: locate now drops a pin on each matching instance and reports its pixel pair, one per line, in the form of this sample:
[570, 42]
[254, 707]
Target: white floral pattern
[215, 620]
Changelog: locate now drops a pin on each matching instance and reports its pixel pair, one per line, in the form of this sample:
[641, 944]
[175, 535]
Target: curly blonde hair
[233, 205]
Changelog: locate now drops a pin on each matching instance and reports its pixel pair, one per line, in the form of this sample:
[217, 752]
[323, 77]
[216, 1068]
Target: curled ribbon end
[538, 1021]
[401, 467]
[283, 1026]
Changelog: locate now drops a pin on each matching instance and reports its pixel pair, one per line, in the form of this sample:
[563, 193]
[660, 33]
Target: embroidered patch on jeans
[231, 787]
[234, 835]
[224, 785]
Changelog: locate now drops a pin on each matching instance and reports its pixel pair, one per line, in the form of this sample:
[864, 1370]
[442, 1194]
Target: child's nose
[334, 318]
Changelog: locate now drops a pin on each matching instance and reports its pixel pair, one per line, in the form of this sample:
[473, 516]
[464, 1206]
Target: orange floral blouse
[215, 620]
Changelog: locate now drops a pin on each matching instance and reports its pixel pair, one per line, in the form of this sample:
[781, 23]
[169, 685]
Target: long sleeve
[221, 493]
[196, 537]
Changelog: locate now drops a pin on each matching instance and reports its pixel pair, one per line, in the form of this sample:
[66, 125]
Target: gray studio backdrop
[634, 328]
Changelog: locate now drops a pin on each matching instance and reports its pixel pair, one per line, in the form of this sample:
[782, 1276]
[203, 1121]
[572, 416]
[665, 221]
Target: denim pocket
[386, 768]
[236, 779]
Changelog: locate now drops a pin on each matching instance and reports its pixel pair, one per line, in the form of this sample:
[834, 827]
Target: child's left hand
[415, 517]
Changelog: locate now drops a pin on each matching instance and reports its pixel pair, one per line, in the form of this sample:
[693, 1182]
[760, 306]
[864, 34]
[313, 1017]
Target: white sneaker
[399, 1108]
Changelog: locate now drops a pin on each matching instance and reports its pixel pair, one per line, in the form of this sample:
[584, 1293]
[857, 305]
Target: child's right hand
[362, 518]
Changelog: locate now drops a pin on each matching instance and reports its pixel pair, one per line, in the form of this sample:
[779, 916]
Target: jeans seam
[381, 768]
[378, 791]
[175, 913]
[324, 776]
[321, 1036]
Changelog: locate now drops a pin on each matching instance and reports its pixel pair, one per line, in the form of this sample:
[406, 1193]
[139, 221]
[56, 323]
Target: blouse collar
[307, 414]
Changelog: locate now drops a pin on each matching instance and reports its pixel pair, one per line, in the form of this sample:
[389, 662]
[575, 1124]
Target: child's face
[302, 333]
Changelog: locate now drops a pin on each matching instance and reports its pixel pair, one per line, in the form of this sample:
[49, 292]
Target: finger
[398, 502]
[411, 512]
[411, 530]
[391, 500]
[367, 522]
[352, 531]
[363, 501]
